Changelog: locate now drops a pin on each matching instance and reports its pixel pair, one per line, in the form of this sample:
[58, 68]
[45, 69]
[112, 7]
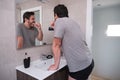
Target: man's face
[31, 20]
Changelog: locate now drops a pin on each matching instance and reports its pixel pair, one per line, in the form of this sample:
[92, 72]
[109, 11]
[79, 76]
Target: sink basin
[44, 64]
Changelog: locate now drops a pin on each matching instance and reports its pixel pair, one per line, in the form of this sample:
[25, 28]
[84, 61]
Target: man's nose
[33, 21]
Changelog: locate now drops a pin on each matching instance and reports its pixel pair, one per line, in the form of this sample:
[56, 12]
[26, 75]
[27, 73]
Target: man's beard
[32, 24]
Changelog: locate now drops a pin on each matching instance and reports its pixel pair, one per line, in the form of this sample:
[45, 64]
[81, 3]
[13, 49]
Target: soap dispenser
[26, 61]
[51, 28]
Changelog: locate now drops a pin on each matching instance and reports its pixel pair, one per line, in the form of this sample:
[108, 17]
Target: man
[68, 35]
[28, 31]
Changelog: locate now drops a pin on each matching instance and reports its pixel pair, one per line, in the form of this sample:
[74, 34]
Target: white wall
[9, 56]
[106, 50]
[89, 24]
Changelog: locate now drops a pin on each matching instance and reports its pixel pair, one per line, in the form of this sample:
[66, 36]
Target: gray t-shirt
[74, 48]
[28, 35]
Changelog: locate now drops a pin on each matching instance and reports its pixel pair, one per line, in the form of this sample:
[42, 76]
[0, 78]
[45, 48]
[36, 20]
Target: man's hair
[27, 15]
[61, 11]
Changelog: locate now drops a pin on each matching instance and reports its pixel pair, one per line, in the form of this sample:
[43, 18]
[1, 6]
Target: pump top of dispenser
[25, 53]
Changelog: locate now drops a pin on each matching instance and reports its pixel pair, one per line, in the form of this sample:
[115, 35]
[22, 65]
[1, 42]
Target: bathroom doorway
[105, 48]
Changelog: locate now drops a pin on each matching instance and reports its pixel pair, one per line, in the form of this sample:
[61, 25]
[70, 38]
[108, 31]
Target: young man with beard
[28, 31]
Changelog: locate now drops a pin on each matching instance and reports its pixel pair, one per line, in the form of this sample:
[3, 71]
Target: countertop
[35, 71]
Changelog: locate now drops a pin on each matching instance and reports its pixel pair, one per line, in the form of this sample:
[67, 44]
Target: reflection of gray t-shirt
[28, 35]
[74, 48]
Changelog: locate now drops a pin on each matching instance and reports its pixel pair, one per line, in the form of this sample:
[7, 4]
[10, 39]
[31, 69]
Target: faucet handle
[44, 57]
[49, 56]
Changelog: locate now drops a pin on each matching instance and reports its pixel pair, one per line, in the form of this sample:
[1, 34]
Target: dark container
[26, 62]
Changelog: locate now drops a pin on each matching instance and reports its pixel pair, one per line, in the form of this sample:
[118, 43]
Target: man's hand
[53, 67]
[52, 24]
[57, 53]
[40, 33]
[37, 25]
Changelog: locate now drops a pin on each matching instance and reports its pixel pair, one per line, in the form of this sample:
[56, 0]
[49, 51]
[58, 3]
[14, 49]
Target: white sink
[44, 64]
[39, 68]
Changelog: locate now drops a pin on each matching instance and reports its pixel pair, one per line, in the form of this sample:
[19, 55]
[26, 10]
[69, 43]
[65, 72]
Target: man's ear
[55, 16]
[26, 19]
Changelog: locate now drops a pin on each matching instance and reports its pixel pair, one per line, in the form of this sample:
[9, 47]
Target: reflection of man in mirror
[28, 31]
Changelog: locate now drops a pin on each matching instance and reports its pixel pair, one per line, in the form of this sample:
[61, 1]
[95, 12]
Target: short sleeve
[19, 30]
[59, 29]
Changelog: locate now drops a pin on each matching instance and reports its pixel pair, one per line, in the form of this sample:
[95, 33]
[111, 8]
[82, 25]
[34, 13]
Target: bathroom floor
[98, 78]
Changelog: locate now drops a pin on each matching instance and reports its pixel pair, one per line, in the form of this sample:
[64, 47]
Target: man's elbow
[19, 46]
[56, 45]
[40, 38]
[19, 42]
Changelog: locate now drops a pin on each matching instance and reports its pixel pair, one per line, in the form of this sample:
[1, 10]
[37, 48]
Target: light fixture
[113, 30]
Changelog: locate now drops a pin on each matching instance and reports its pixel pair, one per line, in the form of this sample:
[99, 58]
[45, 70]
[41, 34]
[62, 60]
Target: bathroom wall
[106, 50]
[89, 24]
[9, 56]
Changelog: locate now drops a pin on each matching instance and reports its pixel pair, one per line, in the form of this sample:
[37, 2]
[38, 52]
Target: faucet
[45, 57]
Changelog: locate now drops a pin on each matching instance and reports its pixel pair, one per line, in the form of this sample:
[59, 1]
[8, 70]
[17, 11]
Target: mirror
[43, 14]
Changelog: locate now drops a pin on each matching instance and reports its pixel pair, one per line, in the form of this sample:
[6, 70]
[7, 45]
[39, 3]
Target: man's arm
[57, 53]
[40, 33]
[19, 42]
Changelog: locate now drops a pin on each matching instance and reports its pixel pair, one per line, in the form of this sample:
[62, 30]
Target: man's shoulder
[20, 24]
